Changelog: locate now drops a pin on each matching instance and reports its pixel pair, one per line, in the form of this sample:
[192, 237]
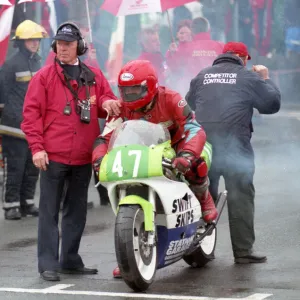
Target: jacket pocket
[48, 121]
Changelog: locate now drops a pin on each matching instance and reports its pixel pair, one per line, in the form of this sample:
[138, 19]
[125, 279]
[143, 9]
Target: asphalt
[277, 143]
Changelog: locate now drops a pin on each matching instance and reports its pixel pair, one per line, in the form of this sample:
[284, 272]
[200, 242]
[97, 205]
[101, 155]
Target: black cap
[68, 33]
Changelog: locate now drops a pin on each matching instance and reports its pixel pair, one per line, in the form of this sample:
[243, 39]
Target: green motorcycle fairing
[139, 161]
[134, 161]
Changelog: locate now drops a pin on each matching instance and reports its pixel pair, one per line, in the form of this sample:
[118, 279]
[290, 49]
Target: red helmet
[138, 84]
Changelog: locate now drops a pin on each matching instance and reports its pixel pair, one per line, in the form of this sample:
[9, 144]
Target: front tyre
[137, 261]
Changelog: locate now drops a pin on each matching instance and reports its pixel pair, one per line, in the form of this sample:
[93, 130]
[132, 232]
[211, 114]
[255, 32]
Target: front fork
[151, 199]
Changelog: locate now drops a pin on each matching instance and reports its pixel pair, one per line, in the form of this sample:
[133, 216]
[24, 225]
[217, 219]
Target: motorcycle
[158, 218]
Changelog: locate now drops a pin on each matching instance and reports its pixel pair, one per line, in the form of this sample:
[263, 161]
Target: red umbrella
[131, 7]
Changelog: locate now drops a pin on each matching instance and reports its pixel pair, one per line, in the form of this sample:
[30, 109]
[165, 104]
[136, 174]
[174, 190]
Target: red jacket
[158, 62]
[191, 58]
[65, 138]
[186, 133]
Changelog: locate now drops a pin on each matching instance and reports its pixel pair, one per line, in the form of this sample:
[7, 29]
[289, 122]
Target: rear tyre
[206, 250]
[137, 261]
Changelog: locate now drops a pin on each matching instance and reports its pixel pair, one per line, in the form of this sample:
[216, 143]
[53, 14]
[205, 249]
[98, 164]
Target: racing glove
[183, 162]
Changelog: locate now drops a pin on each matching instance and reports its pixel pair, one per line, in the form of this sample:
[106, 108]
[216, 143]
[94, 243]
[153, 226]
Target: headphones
[81, 46]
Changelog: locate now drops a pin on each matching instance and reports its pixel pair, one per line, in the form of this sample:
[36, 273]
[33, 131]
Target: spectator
[20, 175]
[292, 39]
[150, 43]
[61, 111]
[176, 55]
[224, 97]
[180, 13]
[196, 55]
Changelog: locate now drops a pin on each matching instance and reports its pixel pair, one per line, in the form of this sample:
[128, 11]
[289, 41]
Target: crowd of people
[58, 107]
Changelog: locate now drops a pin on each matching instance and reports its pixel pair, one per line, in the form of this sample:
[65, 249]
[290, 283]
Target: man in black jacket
[223, 97]
[20, 174]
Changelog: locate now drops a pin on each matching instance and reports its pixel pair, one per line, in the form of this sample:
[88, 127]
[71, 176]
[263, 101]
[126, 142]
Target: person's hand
[96, 166]
[182, 164]
[173, 47]
[112, 107]
[262, 71]
[40, 160]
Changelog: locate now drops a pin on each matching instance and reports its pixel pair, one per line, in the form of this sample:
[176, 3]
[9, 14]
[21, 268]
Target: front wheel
[137, 261]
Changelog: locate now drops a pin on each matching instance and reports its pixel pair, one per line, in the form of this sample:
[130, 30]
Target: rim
[145, 257]
[208, 243]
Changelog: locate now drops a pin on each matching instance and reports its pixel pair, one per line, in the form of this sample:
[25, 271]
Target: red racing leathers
[170, 109]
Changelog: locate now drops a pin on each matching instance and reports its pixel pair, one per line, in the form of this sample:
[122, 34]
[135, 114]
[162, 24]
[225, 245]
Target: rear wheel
[205, 252]
[137, 261]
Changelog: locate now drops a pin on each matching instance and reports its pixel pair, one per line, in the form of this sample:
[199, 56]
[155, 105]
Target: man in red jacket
[61, 111]
[144, 99]
[150, 43]
[196, 55]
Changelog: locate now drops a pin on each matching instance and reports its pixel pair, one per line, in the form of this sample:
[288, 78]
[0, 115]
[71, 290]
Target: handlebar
[167, 163]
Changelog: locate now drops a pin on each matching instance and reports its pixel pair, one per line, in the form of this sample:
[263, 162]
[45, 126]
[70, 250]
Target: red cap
[237, 48]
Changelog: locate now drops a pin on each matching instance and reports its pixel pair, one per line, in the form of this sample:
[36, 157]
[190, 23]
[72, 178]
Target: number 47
[117, 165]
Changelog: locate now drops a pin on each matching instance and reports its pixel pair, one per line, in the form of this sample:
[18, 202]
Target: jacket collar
[86, 75]
[29, 55]
[228, 58]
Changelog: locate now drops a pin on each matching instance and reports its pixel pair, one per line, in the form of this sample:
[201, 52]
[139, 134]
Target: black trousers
[237, 168]
[74, 213]
[20, 174]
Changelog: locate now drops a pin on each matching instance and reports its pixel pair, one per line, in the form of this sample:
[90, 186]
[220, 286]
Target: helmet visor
[133, 93]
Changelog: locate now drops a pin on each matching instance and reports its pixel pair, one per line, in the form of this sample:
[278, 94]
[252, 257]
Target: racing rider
[142, 98]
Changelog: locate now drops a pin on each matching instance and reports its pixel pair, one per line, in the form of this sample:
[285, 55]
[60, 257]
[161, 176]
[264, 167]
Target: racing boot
[12, 214]
[116, 273]
[208, 208]
[29, 210]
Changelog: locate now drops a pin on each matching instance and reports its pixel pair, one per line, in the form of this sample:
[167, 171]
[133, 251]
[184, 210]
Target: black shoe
[79, 271]
[13, 214]
[250, 259]
[50, 276]
[30, 210]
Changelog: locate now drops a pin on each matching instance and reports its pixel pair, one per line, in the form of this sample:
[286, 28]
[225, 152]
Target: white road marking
[258, 296]
[58, 287]
[59, 290]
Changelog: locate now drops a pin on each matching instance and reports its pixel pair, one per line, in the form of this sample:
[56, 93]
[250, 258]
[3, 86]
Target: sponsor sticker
[182, 103]
[126, 76]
